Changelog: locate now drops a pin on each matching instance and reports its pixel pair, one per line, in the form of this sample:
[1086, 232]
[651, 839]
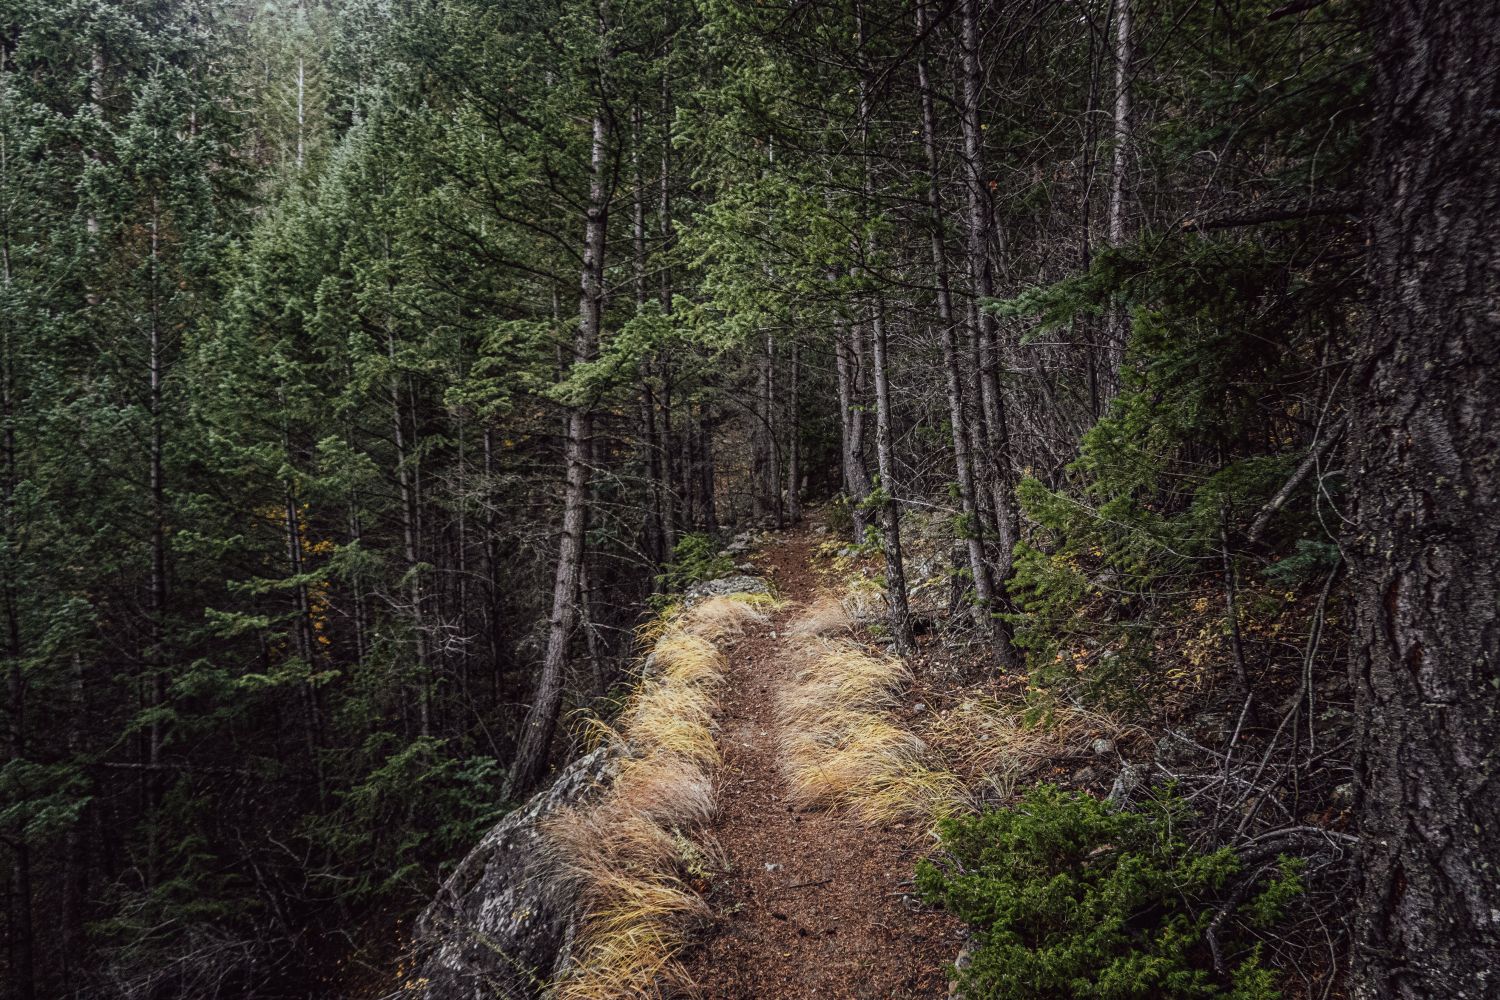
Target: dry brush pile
[635, 854]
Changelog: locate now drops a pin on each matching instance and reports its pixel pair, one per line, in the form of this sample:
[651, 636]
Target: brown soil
[814, 905]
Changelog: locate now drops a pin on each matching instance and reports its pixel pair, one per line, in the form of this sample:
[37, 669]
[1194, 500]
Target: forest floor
[814, 904]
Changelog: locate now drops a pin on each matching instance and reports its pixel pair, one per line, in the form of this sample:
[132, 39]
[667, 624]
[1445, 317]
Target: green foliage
[695, 558]
[417, 804]
[1070, 896]
[1179, 459]
[1310, 559]
[840, 516]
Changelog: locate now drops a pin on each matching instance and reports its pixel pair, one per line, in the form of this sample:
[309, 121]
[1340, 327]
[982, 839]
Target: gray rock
[726, 585]
[740, 544]
[501, 924]
[963, 961]
[1127, 781]
[1104, 746]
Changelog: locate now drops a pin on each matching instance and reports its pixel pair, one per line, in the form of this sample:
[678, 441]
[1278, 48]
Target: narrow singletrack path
[815, 905]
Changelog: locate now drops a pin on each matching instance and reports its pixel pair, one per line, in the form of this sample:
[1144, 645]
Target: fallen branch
[1273, 213]
[1308, 463]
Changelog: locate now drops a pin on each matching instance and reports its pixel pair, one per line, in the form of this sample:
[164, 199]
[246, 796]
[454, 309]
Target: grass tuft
[632, 855]
[720, 617]
[993, 745]
[826, 615]
[841, 749]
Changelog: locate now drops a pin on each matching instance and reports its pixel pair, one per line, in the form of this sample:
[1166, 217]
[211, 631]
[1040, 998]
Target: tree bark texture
[1425, 465]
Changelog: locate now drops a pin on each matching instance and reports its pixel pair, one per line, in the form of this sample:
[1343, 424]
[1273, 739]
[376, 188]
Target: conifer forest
[750, 499]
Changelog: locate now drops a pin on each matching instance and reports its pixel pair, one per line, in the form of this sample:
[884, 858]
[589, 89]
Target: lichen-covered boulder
[501, 924]
[726, 585]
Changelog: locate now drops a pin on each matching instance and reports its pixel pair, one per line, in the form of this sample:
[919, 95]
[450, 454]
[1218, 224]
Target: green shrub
[1069, 896]
[695, 558]
[840, 516]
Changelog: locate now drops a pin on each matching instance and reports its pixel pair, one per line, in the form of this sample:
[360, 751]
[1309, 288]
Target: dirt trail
[815, 905]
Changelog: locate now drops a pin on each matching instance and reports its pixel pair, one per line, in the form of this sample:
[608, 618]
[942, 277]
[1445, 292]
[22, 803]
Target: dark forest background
[363, 366]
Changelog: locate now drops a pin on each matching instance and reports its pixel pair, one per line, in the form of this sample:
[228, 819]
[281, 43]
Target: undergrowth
[696, 557]
[1073, 897]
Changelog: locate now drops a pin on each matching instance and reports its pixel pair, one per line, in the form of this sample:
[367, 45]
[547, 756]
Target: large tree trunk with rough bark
[1424, 439]
[541, 721]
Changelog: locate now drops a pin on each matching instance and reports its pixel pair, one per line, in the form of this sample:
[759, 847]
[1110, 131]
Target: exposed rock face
[501, 924]
[726, 585]
[740, 544]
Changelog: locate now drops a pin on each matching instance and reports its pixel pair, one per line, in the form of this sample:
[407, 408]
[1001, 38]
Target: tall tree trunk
[999, 472]
[300, 34]
[357, 593]
[772, 480]
[851, 425]
[658, 549]
[541, 721]
[301, 112]
[157, 607]
[890, 511]
[972, 528]
[760, 436]
[885, 459]
[1095, 350]
[1424, 433]
[666, 446]
[794, 458]
[708, 505]
[75, 894]
[691, 508]
[410, 537]
[306, 642]
[1119, 320]
[494, 620]
[462, 583]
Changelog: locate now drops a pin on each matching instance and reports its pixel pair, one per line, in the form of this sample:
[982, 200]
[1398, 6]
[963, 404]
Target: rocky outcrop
[501, 923]
[724, 586]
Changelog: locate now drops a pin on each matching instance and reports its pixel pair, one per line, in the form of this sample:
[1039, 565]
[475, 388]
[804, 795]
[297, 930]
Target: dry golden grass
[864, 599]
[824, 615]
[630, 852]
[683, 657]
[841, 747]
[634, 935]
[720, 617]
[992, 745]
